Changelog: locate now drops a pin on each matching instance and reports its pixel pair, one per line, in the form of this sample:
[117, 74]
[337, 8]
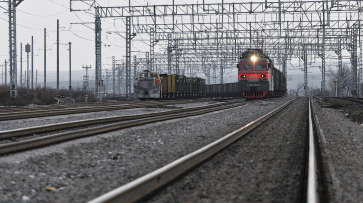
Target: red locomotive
[257, 76]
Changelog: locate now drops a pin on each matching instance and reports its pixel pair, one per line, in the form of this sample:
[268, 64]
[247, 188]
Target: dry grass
[40, 96]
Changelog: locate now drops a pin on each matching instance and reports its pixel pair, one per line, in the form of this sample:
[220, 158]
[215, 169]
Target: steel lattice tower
[128, 56]
[305, 60]
[152, 44]
[98, 44]
[113, 75]
[12, 4]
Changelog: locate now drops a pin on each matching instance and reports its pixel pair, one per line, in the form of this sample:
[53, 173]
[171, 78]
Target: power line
[43, 15]
[80, 36]
[22, 25]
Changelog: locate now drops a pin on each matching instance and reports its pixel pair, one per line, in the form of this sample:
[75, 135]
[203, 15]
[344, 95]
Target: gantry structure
[208, 37]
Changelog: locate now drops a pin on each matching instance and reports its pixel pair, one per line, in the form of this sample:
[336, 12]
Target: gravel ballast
[31, 122]
[342, 146]
[91, 167]
[267, 165]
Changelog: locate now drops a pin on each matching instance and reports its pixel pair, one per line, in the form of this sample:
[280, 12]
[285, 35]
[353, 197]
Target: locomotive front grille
[146, 83]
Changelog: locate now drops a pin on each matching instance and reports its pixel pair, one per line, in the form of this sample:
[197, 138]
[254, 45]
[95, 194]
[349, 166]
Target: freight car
[180, 86]
[222, 90]
[152, 85]
[257, 76]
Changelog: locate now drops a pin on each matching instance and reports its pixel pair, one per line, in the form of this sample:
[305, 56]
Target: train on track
[257, 78]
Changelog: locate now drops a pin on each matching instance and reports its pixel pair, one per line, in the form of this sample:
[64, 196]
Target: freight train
[257, 78]
[152, 85]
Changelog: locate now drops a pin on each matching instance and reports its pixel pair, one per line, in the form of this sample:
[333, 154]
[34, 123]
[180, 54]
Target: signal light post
[27, 50]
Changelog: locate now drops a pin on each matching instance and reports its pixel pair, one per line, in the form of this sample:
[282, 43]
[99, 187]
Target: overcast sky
[35, 15]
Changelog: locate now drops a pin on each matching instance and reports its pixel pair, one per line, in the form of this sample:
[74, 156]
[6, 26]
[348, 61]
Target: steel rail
[312, 183]
[56, 106]
[142, 186]
[58, 112]
[64, 111]
[97, 121]
[60, 137]
[326, 172]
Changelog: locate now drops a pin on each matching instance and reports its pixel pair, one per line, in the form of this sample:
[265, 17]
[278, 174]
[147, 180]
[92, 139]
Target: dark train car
[169, 86]
[196, 87]
[180, 86]
[257, 76]
[222, 90]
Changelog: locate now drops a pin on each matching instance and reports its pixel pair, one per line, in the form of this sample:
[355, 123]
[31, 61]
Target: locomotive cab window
[246, 66]
[260, 66]
[143, 75]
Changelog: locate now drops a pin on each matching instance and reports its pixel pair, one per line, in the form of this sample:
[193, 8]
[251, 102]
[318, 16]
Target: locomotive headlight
[243, 76]
[263, 76]
[253, 58]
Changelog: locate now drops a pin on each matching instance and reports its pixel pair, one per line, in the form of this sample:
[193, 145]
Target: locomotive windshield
[260, 66]
[246, 66]
[143, 75]
[149, 75]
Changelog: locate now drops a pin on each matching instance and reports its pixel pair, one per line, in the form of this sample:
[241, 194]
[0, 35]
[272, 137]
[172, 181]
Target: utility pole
[36, 78]
[340, 65]
[45, 58]
[305, 59]
[135, 67]
[119, 79]
[32, 63]
[21, 65]
[2, 75]
[113, 76]
[6, 73]
[70, 74]
[323, 56]
[57, 54]
[152, 44]
[221, 72]
[169, 53]
[98, 50]
[86, 79]
[129, 37]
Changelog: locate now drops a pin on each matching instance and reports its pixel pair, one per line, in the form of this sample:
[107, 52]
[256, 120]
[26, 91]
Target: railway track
[357, 100]
[98, 126]
[13, 113]
[155, 180]
[4, 109]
